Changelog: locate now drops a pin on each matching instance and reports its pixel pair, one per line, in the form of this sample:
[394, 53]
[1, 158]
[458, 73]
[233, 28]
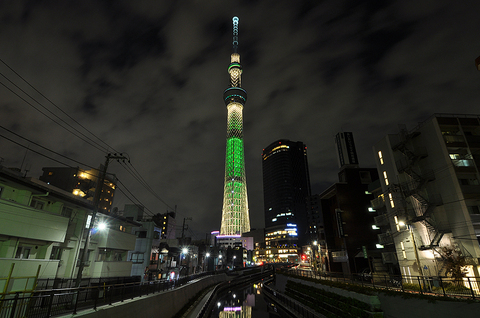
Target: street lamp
[207, 255]
[102, 226]
[185, 253]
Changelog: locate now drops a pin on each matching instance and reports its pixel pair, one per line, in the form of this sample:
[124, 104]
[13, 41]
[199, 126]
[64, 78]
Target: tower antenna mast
[235, 214]
[235, 34]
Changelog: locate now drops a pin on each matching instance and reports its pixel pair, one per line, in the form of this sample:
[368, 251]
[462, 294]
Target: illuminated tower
[235, 218]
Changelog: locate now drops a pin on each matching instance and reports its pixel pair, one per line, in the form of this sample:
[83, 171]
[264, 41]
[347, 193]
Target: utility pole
[96, 201]
[183, 228]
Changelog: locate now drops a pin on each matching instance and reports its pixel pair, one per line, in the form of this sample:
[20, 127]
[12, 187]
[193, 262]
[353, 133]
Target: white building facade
[431, 190]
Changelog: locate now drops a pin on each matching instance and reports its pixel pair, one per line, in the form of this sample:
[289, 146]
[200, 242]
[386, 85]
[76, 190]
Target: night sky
[147, 78]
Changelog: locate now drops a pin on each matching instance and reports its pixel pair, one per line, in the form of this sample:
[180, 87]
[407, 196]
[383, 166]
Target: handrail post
[420, 285]
[14, 306]
[441, 284]
[76, 302]
[471, 289]
[50, 304]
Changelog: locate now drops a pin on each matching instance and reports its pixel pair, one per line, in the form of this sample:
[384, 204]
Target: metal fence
[290, 304]
[61, 283]
[467, 287]
[53, 302]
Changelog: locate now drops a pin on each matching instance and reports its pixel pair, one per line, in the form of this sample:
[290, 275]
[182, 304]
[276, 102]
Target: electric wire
[119, 181]
[37, 144]
[136, 174]
[55, 105]
[63, 163]
[41, 112]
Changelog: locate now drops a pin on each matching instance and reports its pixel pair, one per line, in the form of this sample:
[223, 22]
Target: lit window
[385, 177]
[404, 253]
[380, 157]
[392, 204]
[397, 223]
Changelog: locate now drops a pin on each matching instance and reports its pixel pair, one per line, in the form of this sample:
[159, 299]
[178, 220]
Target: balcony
[114, 239]
[25, 268]
[385, 238]
[381, 220]
[22, 221]
[111, 269]
[377, 203]
[471, 191]
[389, 258]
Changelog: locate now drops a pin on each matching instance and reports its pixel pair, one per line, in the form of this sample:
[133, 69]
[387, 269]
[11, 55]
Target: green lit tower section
[235, 218]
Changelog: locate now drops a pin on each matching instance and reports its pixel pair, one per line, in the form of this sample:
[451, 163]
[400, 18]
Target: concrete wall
[165, 304]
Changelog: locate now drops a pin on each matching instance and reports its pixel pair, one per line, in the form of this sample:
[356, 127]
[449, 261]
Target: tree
[454, 261]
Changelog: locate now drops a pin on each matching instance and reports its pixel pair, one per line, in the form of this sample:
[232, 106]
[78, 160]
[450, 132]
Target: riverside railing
[53, 302]
[468, 287]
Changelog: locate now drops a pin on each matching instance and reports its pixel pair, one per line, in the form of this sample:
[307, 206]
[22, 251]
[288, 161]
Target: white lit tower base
[235, 218]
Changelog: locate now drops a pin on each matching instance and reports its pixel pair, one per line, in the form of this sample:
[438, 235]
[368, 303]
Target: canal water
[247, 301]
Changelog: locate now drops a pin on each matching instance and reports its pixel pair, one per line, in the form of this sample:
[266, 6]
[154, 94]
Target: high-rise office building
[235, 214]
[346, 153]
[286, 185]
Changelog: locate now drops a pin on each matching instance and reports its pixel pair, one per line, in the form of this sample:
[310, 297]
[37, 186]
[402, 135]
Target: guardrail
[52, 302]
[467, 287]
[289, 304]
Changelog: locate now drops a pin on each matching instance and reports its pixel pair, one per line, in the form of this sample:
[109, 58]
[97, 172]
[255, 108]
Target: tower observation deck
[235, 217]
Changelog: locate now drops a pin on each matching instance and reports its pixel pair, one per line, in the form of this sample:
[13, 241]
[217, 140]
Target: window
[137, 258]
[380, 157]
[56, 253]
[37, 204]
[392, 204]
[102, 255]
[404, 253]
[67, 212]
[365, 177]
[141, 234]
[23, 252]
[385, 177]
[469, 181]
[473, 209]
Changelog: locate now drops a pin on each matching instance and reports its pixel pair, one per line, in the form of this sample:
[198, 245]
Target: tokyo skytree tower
[235, 218]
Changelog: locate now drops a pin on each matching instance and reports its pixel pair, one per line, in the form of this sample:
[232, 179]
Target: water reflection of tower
[237, 303]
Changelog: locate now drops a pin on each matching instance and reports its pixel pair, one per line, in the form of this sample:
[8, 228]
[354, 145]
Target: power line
[36, 108]
[37, 144]
[93, 143]
[136, 175]
[55, 105]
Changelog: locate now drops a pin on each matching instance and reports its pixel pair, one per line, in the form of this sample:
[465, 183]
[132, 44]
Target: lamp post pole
[96, 201]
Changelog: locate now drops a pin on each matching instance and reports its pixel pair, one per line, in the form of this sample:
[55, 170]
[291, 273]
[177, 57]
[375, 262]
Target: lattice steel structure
[235, 217]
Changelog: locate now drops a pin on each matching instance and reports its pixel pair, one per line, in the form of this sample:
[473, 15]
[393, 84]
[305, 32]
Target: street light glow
[102, 226]
[185, 250]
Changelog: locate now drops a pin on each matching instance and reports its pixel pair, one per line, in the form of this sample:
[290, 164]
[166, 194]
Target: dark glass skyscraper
[286, 185]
